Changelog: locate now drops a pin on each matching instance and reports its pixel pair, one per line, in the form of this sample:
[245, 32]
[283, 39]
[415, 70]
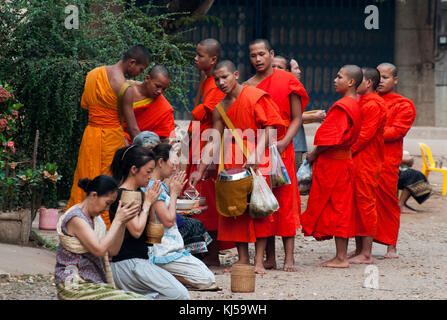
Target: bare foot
[335, 263]
[270, 265]
[259, 269]
[290, 268]
[391, 255]
[228, 270]
[361, 259]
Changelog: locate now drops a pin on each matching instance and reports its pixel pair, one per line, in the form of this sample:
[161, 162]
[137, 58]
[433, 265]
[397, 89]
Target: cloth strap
[236, 136]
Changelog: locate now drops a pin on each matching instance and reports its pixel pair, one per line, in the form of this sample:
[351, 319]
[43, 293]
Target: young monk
[291, 98]
[152, 111]
[400, 118]
[367, 156]
[207, 55]
[104, 133]
[248, 108]
[330, 207]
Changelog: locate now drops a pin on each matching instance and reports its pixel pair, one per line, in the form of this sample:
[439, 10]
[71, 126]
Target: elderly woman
[82, 269]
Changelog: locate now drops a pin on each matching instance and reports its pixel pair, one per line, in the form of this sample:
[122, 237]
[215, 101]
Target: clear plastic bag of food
[278, 174]
[304, 177]
[262, 201]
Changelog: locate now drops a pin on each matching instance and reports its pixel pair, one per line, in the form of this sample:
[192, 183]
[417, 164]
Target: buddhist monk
[291, 98]
[104, 133]
[401, 114]
[248, 108]
[330, 207]
[152, 111]
[367, 155]
[279, 62]
[208, 52]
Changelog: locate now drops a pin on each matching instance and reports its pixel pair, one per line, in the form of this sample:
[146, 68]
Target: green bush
[47, 65]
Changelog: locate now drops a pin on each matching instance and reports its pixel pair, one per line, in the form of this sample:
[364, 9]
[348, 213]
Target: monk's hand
[151, 195]
[127, 212]
[311, 157]
[194, 178]
[281, 146]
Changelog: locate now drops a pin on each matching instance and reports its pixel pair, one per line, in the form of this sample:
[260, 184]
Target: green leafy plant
[47, 64]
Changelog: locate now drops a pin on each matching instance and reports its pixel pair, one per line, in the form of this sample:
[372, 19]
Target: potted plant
[49, 214]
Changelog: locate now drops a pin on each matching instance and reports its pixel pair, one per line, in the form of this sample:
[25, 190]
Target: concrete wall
[414, 56]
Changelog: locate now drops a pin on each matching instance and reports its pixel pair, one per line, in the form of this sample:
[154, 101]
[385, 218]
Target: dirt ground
[418, 274]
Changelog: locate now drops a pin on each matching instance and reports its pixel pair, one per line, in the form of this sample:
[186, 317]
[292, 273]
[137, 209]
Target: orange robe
[153, 115]
[211, 96]
[254, 110]
[330, 211]
[280, 85]
[102, 136]
[401, 114]
[367, 155]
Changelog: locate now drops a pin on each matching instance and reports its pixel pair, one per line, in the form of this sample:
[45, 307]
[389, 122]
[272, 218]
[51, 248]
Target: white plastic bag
[304, 177]
[262, 201]
[278, 175]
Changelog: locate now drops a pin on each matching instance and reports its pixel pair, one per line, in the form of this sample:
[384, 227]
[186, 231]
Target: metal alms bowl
[233, 174]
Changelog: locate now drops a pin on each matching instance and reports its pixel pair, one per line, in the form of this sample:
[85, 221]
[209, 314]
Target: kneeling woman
[170, 254]
[82, 255]
[132, 270]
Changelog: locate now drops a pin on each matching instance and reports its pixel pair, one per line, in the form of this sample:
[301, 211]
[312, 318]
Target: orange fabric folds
[330, 207]
[102, 137]
[280, 85]
[253, 109]
[401, 114]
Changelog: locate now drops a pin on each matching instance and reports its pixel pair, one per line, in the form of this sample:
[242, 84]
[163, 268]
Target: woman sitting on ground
[412, 183]
[80, 272]
[132, 270]
[170, 254]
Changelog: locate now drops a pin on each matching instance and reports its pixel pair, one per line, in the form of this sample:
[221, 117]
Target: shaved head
[354, 72]
[226, 64]
[263, 41]
[138, 52]
[372, 74]
[157, 70]
[387, 65]
[213, 47]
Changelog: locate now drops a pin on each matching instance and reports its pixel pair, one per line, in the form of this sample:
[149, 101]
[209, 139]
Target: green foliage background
[47, 64]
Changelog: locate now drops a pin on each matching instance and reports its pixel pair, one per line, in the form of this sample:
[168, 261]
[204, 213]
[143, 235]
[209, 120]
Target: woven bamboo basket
[154, 232]
[128, 196]
[243, 278]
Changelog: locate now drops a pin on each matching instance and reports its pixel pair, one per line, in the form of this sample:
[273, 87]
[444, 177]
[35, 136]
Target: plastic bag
[278, 175]
[262, 201]
[304, 177]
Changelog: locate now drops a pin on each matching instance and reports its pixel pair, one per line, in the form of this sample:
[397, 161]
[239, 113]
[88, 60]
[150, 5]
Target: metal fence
[322, 35]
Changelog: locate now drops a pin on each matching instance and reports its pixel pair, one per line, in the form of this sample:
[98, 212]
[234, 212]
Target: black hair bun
[83, 183]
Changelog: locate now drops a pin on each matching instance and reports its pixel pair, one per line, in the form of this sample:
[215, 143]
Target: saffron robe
[102, 137]
[254, 110]
[401, 114]
[154, 115]
[202, 113]
[330, 207]
[367, 155]
[280, 85]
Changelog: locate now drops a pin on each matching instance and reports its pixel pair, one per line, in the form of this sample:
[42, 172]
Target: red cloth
[330, 205]
[401, 114]
[280, 85]
[211, 96]
[156, 116]
[253, 109]
[367, 155]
